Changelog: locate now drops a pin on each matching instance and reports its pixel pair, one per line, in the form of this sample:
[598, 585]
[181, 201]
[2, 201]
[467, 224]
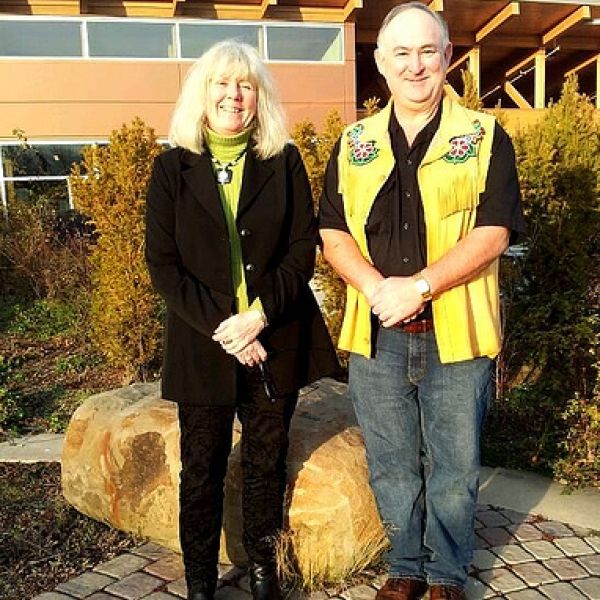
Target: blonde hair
[235, 59]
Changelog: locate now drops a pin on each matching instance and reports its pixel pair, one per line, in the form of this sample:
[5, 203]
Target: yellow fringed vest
[451, 177]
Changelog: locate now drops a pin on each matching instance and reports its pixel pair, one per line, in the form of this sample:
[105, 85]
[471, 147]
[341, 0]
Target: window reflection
[131, 40]
[40, 38]
[197, 38]
[323, 44]
[164, 39]
[26, 160]
[55, 192]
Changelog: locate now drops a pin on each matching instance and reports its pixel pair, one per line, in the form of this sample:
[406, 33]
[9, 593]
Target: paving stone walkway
[519, 554]
[518, 557]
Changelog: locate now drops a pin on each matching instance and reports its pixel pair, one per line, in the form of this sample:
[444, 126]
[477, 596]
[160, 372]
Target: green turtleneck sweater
[226, 149]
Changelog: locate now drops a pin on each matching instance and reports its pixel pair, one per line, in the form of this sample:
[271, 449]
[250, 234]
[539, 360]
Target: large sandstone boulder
[120, 465]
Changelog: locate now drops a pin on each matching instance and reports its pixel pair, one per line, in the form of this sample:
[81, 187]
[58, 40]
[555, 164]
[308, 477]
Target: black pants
[206, 437]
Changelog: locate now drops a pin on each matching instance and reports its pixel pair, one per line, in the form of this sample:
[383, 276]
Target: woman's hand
[239, 331]
[252, 354]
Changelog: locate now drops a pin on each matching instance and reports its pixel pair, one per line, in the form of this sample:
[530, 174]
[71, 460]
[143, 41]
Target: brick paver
[525, 532]
[573, 546]
[590, 563]
[519, 557]
[555, 529]
[122, 565]
[513, 554]
[590, 587]
[534, 574]
[543, 550]
[85, 585]
[135, 586]
[169, 567]
[502, 580]
[562, 591]
[526, 595]
[566, 568]
[496, 536]
[492, 518]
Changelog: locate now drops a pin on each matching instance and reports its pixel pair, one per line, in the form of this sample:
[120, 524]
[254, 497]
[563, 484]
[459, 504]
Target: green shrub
[126, 313]
[316, 149]
[549, 362]
[43, 253]
[44, 319]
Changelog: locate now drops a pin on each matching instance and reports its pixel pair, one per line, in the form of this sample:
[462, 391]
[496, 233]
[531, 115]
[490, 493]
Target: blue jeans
[421, 421]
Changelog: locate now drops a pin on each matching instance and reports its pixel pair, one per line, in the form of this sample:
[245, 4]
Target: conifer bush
[110, 189]
[550, 358]
[316, 149]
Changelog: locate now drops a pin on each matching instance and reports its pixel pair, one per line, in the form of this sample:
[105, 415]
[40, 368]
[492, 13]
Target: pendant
[224, 175]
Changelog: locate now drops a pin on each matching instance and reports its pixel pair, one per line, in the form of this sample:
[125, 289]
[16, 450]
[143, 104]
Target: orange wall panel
[87, 81]
[68, 100]
[79, 120]
[79, 99]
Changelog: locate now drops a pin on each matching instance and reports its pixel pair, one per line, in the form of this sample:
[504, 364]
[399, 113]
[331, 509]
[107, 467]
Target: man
[419, 202]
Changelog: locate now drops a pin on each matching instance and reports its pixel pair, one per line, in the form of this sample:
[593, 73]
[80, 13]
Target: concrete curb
[530, 493]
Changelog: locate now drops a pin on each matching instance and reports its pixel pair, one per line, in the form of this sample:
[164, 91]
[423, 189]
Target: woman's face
[231, 104]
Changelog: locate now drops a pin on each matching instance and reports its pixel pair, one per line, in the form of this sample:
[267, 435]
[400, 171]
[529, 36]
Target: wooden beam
[506, 13]
[307, 13]
[598, 82]
[539, 100]
[459, 61]
[583, 65]
[351, 6]
[582, 13]
[521, 64]
[515, 95]
[41, 7]
[475, 67]
[264, 6]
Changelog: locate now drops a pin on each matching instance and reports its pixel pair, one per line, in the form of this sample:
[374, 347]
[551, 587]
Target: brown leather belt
[422, 326]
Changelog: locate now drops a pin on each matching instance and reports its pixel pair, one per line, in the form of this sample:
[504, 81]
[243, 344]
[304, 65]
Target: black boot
[201, 596]
[201, 592]
[264, 583]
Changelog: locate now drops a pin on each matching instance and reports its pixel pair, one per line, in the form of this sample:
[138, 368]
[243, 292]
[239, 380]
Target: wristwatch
[422, 286]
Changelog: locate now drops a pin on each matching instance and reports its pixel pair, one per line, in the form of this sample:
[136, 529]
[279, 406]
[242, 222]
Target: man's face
[413, 59]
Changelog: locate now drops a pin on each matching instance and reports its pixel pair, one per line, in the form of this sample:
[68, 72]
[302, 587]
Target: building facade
[72, 71]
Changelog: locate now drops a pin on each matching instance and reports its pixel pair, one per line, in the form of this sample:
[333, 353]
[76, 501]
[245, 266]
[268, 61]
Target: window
[55, 191]
[294, 43]
[164, 38]
[126, 39]
[40, 38]
[197, 38]
[22, 160]
[30, 170]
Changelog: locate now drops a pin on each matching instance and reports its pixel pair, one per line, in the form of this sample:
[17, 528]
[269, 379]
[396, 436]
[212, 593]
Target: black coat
[188, 255]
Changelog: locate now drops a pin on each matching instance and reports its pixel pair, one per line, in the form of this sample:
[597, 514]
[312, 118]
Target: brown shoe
[402, 589]
[446, 592]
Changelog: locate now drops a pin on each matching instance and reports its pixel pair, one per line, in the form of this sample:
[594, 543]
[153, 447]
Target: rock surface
[120, 465]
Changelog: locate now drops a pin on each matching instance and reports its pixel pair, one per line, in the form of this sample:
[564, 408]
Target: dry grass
[43, 540]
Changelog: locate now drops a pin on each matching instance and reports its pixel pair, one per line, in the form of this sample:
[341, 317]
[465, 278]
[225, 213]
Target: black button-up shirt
[396, 225]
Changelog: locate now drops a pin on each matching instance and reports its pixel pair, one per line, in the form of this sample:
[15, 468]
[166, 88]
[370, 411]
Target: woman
[230, 244]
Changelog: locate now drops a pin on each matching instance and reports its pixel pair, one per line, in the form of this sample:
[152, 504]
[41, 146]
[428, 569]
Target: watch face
[422, 286]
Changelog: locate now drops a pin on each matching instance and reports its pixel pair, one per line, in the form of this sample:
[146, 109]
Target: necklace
[223, 173]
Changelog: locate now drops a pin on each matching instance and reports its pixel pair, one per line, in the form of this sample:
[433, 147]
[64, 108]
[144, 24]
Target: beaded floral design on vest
[361, 153]
[464, 147]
